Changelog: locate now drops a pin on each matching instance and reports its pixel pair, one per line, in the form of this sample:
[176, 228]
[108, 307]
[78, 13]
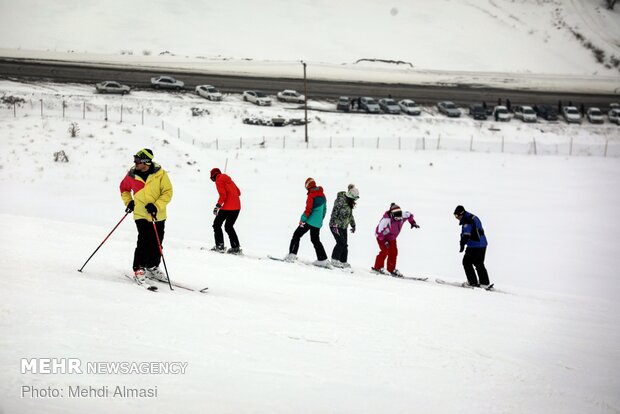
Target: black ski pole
[104, 240]
[161, 252]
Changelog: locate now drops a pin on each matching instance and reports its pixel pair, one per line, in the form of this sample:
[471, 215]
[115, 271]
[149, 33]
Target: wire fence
[149, 117]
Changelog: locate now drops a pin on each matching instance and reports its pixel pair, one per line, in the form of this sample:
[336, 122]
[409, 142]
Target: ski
[457, 284]
[421, 279]
[145, 285]
[309, 263]
[182, 286]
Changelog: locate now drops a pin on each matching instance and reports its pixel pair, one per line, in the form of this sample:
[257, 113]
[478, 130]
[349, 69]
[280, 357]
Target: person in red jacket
[226, 210]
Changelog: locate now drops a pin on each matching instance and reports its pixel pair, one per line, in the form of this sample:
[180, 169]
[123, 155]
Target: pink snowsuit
[386, 232]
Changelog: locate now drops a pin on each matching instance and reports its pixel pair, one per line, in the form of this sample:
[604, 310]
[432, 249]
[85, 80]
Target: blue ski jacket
[472, 233]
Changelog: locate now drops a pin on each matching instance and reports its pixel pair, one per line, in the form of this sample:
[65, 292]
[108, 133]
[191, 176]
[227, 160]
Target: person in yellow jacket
[146, 190]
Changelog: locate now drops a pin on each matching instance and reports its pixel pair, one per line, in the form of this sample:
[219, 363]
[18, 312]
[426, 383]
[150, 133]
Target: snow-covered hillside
[275, 337]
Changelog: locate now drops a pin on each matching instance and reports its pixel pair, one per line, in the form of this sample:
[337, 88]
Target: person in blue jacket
[311, 220]
[472, 236]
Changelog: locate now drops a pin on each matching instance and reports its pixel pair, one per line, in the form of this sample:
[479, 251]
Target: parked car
[389, 106]
[449, 109]
[112, 87]
[477, 111]
[525, 113]
[409, 107]
[595, 115]
[257, 98]
[166, 82]
[614, 116]
[546, 112]
[209, 92]
[500, 113]
[289, 95]
[344, 104]
[571, 114]
[369, 105]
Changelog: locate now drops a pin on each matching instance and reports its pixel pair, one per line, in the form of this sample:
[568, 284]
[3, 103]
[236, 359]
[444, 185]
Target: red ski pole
[161, 252]
[104, 240]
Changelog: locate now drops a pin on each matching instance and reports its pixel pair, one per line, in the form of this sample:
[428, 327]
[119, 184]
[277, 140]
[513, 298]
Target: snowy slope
[273, 337]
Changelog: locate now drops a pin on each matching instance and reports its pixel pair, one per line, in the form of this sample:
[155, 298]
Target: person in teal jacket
[311, 220]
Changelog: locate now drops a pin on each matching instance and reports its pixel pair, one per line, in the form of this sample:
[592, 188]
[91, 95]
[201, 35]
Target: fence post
[217, 143]
[240, 142]
[84, 111]
[378, 142]
[142, 116]
[330, 142]
[162, 124]
[284, 142]
[179, 132]
[106, 112]
[63, 109]
[471, 143]
[606, 144]
[352, 142]
[41, 107]
[121, 113]
[534, 142]
[502, 144]
[570, 151]
[14, 110]
[399, 143]
[438, 141]
[423, 143]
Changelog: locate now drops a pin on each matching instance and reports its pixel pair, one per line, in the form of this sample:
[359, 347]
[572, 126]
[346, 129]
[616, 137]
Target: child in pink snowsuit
[386, 232]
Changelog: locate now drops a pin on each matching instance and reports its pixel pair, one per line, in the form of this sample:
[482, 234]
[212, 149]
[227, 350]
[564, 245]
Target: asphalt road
[140, 78]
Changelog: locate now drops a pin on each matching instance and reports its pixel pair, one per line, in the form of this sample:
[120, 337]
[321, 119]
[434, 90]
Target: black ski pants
[147, 252]
[341, 249]
[474, 258]
[314, 238]
[229, 217]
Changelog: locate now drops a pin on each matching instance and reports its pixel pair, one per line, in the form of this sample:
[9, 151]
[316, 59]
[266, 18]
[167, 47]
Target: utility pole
[305, 102]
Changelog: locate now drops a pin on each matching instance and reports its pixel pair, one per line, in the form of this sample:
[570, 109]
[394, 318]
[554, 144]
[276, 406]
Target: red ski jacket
[229, 193]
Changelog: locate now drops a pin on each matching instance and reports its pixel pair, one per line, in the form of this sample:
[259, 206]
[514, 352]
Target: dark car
[477, 111]
[546, 112]
[343, 104]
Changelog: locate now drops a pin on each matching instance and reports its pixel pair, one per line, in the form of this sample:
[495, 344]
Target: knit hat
[395, 210]
[214, 173]
[459, 210]
[353, 192]
[310, 183]
[145, 156]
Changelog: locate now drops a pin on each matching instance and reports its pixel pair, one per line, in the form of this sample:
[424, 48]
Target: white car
[166, 82]
[571, 114]
[409, 107]
[289, 95]
[525, 113]
[595, 116]
[369, 105]
[112, 87]
[500, 113]
[614, 116]
[257, 98]
[209, 92]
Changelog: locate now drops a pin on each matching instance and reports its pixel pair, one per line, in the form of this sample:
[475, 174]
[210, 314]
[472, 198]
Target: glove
[335, 230]
[301, 223]
[130, 206]
[152, 210]
[415, 225]
[352, 229]
[216, 209]
[462, 248]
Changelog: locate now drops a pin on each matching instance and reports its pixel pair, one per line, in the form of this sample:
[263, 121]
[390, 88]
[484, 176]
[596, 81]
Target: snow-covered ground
[281, 338]
[274, 337]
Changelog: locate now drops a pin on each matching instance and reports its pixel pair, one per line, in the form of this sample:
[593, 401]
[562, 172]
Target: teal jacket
[316, 207]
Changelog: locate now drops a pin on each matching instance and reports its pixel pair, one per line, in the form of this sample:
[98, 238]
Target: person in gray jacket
[342, 216]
